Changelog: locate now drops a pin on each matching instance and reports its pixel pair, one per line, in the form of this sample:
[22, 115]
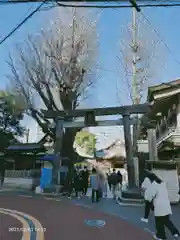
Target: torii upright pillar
[57, 150]
[129, 153]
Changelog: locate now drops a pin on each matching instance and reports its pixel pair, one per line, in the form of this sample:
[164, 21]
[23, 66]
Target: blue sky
[164, 20]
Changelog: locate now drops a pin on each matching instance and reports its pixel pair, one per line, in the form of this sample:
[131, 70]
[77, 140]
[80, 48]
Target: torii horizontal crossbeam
[104, 123]
[123, 110]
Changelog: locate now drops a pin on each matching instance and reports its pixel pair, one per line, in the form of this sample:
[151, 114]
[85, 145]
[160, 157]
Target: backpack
[113, 179]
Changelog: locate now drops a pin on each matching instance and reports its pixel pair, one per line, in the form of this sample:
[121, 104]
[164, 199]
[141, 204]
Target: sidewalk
[129, 213]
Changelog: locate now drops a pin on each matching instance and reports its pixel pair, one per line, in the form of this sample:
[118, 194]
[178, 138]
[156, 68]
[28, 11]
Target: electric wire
[161, 39]
[119, 6]
[142, 5]
[22, 23]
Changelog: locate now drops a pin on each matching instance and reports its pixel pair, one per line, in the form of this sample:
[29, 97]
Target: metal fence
[18, 174]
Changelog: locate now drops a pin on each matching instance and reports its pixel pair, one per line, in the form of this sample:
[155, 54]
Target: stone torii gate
[90, 120]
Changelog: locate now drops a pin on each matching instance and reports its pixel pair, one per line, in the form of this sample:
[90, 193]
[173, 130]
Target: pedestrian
[148, 205]
[101, 185]
[85, 180]
[94, 182]
[119, 180]
[109, 180]
[76, 183]
[105, 185]
[69, 181]
[2, 177]
[2, 173]
[81, 181]
[158, 193]
[114, 182]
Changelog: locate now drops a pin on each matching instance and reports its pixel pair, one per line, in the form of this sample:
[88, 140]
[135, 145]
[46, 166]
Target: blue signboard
[46, 177]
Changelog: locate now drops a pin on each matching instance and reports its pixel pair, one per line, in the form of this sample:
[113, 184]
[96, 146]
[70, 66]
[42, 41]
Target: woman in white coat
[157, 192]
[148, 205]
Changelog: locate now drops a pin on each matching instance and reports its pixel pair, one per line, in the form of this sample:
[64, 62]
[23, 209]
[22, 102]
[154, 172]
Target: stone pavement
[65, 220]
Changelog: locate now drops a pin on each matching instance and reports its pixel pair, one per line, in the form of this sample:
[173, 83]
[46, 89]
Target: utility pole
[134, 60]
[135, 95]
[136, 100]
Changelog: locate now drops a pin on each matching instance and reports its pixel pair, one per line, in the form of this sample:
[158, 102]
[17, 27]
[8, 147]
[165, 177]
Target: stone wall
[25, 183]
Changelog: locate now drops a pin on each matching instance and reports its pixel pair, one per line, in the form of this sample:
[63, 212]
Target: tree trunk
[67, 144]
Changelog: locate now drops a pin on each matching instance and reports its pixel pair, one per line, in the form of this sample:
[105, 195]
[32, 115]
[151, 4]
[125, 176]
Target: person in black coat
[2, 172]
[77, 182]
[119, 177]
[114, 182]
[69, 182]
[85, 180]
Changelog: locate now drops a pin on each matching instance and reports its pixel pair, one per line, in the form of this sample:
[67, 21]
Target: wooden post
[153, 153]
[129, 153]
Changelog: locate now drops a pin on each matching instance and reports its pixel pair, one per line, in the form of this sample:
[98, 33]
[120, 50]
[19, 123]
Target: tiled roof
[116, 149]
[25, 146]
[162, 86]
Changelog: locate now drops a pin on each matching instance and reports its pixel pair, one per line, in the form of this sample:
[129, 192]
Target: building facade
[165, 100]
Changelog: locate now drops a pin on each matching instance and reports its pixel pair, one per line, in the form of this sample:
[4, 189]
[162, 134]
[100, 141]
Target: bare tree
[54, 69]
[148, 50]
[145, 53]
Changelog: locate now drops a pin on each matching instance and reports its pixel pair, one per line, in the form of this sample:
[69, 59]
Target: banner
[46, 177]
[85, 144]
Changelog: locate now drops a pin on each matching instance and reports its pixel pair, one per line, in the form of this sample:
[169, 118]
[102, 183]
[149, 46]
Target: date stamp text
[16, 229]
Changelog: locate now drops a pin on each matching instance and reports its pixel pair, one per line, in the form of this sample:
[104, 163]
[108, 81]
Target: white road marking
[125, 218]
[27, 196]
[83, 205]
[52, 199]
[46, 198]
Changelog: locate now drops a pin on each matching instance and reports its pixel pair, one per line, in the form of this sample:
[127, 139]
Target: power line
[118, 6]
[170, 4]
[161, 39]
[21, 23]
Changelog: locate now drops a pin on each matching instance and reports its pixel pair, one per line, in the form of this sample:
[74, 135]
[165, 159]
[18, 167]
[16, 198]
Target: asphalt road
[131, 214]
[6, 224]
[63, 220]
